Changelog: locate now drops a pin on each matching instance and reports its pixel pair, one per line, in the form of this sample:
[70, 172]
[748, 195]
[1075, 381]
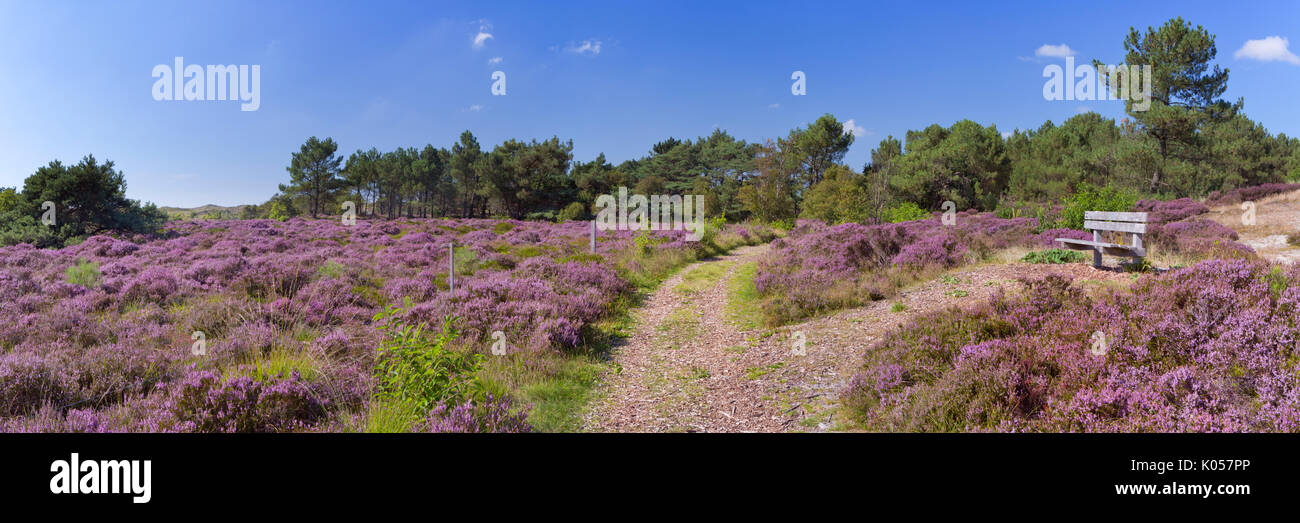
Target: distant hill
[211, 212]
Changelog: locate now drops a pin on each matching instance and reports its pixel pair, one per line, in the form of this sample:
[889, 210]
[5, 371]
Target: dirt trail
[1275, 217]
[689, 367]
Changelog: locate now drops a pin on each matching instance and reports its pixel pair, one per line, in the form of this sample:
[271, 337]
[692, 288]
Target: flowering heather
[1161, 212]
[492, 415]
[818, 268]
[286, 312]
[1242, 194]
[1212, 347]
[1199, 237]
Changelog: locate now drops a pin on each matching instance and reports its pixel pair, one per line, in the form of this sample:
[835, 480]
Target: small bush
[575, 211]
[426, 372]
[905, 212]
[1055, 256]
[84, 273]
[1088, 197]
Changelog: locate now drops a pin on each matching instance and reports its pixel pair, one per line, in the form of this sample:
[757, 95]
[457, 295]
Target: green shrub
[1055, 256]
[416, 369]
[330, 270]
[1088, 197]
[575, 211]
[1045, 213]
[905, 212]
[84, 273]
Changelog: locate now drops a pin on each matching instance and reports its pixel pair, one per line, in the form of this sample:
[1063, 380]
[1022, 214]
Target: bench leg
[1096, 251]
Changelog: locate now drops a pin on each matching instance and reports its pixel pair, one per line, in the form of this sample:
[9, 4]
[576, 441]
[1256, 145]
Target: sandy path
[1275, 217]
[689, 368]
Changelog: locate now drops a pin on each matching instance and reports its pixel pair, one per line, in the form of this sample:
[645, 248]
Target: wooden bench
[1134, 223]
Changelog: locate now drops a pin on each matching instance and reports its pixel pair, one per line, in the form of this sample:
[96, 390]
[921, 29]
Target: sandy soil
[1275, 217]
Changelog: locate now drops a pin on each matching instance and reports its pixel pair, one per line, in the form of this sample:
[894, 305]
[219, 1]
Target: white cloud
[1270, 49]
[484, 34]
[494, 60]
[851, 127]
[1054, 51]
[585, 46]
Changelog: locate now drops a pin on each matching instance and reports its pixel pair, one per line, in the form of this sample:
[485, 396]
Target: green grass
[280, 362]
[388, 416]
[696, 374]
[84, 273]
[1054, 256]
[743, 301]
[330, 270]
[754, 373]
[897, 307]
[558, 401]
[681, 323]
[703, 277]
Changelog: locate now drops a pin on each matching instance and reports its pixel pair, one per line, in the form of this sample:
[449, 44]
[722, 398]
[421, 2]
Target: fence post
[593, 236]
[451, 266]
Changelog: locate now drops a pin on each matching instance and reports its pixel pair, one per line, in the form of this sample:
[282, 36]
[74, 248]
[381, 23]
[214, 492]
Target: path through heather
[690, 367]
[1276, 217]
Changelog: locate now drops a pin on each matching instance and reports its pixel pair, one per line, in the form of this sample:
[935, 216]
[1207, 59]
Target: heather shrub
[817, 269]
[202, 401]
[1160, 212]
[275, 298]
[1208, 348]
[1256, 192]
[1199, 238]
[27, 381]
[490, 415]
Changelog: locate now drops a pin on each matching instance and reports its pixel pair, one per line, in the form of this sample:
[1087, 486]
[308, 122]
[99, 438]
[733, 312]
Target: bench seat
[1113, 249]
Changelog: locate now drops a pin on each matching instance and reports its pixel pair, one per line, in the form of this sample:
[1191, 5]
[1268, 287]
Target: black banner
[319, 471]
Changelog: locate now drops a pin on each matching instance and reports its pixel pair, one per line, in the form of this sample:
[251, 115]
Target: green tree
[529, 177]
[1185, 92]
[770, 194]
[314, 173]
[838, 198]
[465, 168]
[89, 198]
[821, 145]
[966, 164]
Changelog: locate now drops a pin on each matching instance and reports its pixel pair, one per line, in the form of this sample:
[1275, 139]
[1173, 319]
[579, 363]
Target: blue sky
[615, 77]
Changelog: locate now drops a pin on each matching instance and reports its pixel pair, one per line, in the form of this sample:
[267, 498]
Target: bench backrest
[1132, 222]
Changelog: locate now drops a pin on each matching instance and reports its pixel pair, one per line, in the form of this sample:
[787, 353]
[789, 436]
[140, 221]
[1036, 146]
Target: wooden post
[451, 267]
[1096, 251]
[593, 236]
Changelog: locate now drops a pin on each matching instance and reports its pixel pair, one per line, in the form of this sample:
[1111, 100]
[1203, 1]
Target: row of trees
[1189, 142]
[540, 180]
